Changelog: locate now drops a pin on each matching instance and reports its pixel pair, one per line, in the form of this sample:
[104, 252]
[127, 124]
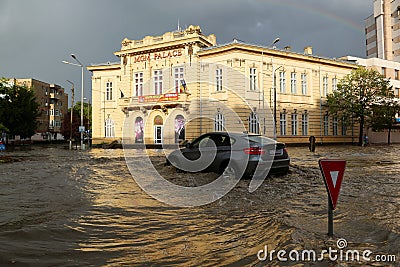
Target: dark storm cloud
[37, 35]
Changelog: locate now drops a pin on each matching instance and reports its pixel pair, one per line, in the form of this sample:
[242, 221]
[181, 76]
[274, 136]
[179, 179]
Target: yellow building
[179, 85]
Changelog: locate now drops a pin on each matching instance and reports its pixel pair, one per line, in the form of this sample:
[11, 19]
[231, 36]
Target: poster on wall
[139, 133]
[179, 128]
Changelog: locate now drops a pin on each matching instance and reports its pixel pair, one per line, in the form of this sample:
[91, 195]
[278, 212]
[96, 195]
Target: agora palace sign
[157, 55]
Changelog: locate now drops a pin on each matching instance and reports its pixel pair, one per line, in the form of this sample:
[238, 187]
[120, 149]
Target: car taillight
[254, 151]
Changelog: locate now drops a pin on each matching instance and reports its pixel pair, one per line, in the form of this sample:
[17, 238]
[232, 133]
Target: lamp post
[262, 83]
[274, 77]
[79, 65]
[72, 113]
[89, 128]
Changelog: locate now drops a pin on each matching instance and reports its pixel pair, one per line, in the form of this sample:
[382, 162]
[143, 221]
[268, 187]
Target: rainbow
[357, 26]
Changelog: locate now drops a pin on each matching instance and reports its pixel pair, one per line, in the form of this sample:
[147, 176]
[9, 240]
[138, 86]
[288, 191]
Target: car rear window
[260, 139]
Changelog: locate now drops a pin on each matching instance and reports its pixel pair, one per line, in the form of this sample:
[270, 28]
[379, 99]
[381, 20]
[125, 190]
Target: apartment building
[53, 106]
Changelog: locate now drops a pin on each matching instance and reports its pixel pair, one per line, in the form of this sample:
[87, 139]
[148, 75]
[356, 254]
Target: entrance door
[158, 131]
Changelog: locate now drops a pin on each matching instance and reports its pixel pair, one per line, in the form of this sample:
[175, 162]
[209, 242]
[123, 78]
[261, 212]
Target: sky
[36, 36]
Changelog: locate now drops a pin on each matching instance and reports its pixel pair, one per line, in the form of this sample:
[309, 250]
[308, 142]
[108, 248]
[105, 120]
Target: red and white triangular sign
[332, 170]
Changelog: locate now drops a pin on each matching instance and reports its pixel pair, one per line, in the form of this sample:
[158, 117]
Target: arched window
[109, 128]
[219, 124]
[139, 130]
[179, 128]
[254, 126]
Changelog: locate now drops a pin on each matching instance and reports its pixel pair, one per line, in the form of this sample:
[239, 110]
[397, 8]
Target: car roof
[242, 134]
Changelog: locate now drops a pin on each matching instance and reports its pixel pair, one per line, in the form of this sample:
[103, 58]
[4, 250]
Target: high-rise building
[382, 30]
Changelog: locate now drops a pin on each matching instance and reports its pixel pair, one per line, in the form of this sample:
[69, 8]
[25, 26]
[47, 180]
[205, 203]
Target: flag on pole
[183, 86]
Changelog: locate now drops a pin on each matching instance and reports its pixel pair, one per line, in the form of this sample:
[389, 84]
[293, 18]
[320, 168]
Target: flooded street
[72, 208]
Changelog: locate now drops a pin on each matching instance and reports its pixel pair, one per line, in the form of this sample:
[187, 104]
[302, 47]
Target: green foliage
[76, 121]
[87, 109]
[358, 94]
[384, 115]
[18, 109]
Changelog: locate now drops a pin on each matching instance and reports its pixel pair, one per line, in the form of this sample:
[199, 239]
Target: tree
[76, 120]
[18, 109]
[384, 115]
[357, 93]
[87, 111]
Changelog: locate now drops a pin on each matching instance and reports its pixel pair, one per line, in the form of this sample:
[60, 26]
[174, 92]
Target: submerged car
[237, 154]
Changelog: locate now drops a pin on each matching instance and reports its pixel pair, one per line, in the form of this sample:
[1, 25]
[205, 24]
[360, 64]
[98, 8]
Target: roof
[237, 44]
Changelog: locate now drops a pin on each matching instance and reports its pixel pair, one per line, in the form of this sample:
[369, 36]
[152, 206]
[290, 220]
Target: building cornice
[271, 52]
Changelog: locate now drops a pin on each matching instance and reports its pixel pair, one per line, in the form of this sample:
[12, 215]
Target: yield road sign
[332, 170]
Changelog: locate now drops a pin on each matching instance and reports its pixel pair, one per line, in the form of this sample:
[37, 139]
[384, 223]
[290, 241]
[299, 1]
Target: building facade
[53, 106]
[174, 87]
[382, 30]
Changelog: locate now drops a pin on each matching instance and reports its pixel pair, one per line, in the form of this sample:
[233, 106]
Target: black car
[238, 154]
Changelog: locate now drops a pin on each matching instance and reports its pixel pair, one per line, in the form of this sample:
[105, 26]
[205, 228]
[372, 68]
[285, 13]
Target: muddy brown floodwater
[72, 208]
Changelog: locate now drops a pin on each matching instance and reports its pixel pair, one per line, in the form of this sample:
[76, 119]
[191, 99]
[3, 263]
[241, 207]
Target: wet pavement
[73, 208]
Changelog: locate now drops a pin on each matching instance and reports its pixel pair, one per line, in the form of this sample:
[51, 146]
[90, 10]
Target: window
[396, 74]
[139, 84]
[282, 81]
[283, 123]
[178, 78]
[254, 126]
[304, 124]
[253, 79]
[293, 83]
[51, 123]
[304, 83]
[326, 125]
[219, 79]
[158, 79]
[344, 126]
[219, 122]
[334, 84]
[109, 128]
[294, 123]
[396, 92]
[108, 90]
[383, 71]
[51, 112]
[325, 86]
[335, 126]
[57, 112]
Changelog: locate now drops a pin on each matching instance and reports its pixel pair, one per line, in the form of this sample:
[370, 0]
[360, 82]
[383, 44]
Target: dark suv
[238, 154]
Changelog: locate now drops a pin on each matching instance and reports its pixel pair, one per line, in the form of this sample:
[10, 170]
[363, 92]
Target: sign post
[332, 171]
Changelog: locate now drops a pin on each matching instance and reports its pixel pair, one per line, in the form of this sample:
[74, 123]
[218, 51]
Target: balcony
[54, 96]
[150, 101]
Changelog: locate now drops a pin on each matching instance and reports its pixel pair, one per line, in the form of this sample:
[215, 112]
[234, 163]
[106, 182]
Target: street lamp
[72, 112]
[262, 81]
[79, 65]
[274, 77]
[89, 129]
[274, 42]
